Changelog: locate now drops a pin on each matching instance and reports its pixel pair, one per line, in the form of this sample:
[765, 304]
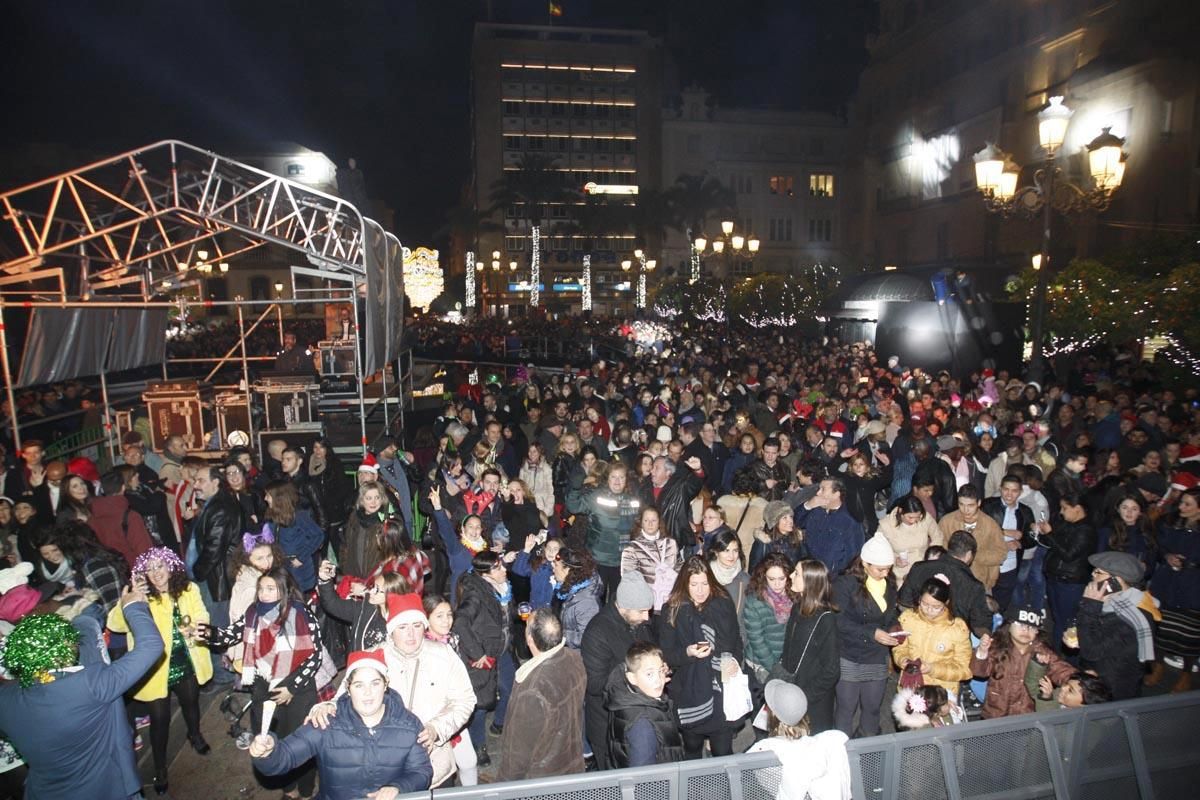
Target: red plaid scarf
[284, 645]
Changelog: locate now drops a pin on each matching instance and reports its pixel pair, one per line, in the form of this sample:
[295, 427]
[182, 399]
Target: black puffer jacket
[626, 705]
[483, 627]
[1070, 544]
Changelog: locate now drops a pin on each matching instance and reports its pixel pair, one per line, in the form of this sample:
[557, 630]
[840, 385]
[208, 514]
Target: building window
[816, 146]
[512, 142]
[559, 144]
[820, 230]
[535, 143]
[782, 185]
[820, 185]
[579, 109]
[533, 109]
[218, 289]
[558, 212]
[512, 212]
[780, 229]
[625, 112]
[260, 288]
[602, 145]
[558, 109]
[512, 109]
[624, 145]
[514, 244]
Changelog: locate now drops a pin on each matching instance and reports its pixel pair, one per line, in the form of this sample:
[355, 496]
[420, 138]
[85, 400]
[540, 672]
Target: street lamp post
[996, 176]
[644, 265]
[732, 246]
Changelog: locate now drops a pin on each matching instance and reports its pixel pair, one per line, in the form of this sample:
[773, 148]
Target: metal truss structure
[137, 221]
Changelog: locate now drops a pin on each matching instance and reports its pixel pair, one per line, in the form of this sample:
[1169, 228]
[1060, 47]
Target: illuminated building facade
[948, 76]
[589, 102]
[786, 169]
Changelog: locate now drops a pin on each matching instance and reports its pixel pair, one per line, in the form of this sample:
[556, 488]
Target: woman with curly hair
[1006, 658]
[185, 664]
[578, 593]
[701, 643]
[280, 645]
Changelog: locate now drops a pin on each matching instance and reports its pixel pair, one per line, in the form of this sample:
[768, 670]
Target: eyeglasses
[933, 609]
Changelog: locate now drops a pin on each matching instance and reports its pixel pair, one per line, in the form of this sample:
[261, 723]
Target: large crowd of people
[625, 562]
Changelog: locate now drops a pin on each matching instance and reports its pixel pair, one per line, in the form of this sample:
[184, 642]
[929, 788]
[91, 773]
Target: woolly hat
[15, 576]
[787, 701]
[370, 659]
[633, 593]
[775, 511]
[878, 552]
[664, 434]
[369, 464]
[403, 608]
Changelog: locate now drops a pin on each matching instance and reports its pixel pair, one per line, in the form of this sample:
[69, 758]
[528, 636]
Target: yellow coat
[944, 644]
[154, 685]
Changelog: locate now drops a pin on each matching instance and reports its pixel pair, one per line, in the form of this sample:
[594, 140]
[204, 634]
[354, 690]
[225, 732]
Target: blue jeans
[508, 671]
[1031, 581]
[1064, 605]
[218, 617]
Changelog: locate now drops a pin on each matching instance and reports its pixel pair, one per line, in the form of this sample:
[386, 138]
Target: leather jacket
[217, 528]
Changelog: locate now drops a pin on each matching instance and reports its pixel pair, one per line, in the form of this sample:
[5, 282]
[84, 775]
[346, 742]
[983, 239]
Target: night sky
[385, 81]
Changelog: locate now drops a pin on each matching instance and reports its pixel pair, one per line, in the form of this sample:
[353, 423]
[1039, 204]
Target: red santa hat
[84, 468]
[369, 464]
[369, 659]
[403, 608]
[1181, 481]
[1189, 453]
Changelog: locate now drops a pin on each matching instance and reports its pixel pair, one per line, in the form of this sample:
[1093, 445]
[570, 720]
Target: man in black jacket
[1115, 629]
[216, 530]
[1016, 523]
[292, 462]
[606, 640]
[966, 592]
[672, 489]
[931, 469]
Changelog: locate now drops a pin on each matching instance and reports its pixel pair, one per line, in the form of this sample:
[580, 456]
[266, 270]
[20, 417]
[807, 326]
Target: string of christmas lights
[535, 266]
[586, 291]
[470, 278]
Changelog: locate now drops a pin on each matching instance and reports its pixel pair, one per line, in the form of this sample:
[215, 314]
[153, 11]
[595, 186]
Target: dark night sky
[383, 80]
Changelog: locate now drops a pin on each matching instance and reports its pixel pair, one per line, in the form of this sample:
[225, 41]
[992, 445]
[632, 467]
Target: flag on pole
[556, 8]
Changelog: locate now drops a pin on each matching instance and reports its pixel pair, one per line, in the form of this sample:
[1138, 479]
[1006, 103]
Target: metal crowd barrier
[1132, 750]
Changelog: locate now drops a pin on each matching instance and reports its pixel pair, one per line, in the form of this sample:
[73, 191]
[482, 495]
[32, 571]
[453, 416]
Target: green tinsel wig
[40, 643]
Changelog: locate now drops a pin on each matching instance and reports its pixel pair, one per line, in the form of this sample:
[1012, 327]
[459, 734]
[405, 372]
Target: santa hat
[402, 608]
[84, 468]
[1181, 481]
[370, 659]
[1189, 453]
[369, 464]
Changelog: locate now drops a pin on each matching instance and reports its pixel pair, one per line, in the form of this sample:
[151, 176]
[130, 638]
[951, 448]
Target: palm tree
[596, 217]
[530, 188]
[693, 200]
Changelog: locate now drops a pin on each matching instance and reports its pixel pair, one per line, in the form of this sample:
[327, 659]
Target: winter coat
[764, 544]
[360, 543]
[674, 503]
[627, 706]
[909, 541]
[860, 617]
[456, 552]
[1007, 695]
[73, 732]
[833, 537]
[745, 510]
[818, 670]
[1069, 545]
[1108, 645]
[483, 625]
[368, 628]
[656, 560]
[991, 549]
[352, 760]
[610, 518]
[762, 473]
[332, 487]
[606, 640]
[764, 635]
[521, 520]
[118, 527]
[541, 587]
[578, 608]
[310, 499]
[860, 497]
[945, 491]
[944, 644]
[695, 683]
[300, 541]
[153, 685]
[543, 727]
[966, 592]
[217, 530]
[1178, 589]
[561, 471]
[540, 480]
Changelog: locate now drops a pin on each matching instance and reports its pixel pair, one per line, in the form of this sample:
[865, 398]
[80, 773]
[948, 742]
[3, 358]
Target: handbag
[779, 672]
[910, 676]
[735, 697]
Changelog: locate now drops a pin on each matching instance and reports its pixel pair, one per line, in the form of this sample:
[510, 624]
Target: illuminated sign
[591, 187]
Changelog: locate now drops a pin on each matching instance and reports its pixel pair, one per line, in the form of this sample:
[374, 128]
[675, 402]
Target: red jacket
[119, 527]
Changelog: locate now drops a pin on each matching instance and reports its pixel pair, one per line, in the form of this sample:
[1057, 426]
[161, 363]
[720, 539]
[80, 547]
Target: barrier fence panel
[1132, 750]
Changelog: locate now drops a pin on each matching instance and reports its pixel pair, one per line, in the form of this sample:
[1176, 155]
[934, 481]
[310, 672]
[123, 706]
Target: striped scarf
[283, 645]
[1125, 605]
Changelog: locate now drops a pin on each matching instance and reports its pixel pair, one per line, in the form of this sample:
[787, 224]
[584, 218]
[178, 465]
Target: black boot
[160, 783]
[482, 758]
[198, 744]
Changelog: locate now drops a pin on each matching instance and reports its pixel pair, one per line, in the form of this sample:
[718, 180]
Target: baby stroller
[234, 707]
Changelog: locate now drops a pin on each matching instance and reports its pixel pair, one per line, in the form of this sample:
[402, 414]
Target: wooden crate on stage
[177, 408]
